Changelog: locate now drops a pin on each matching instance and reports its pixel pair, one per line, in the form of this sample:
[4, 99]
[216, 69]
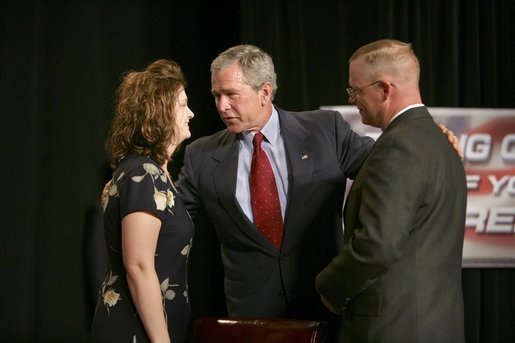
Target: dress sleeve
[145, 188]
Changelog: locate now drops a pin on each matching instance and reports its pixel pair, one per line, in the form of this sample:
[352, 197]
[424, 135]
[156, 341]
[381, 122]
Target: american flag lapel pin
[303, 156]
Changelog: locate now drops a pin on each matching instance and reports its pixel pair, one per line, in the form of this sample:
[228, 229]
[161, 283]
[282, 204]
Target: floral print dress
[139, 184]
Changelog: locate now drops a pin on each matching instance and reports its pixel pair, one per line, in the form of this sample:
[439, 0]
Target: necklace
[167, 174]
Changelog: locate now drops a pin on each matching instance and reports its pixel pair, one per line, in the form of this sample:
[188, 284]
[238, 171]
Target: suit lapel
[224, 174]
[224, 180]
[300, 165]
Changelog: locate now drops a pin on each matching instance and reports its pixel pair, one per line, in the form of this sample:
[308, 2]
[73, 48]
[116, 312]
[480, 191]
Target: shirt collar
[402, 111]
[270, 130]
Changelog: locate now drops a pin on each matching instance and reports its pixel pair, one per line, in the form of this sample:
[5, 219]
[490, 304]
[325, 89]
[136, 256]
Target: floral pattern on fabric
[139, 184]
[164, 199]
[109, 295]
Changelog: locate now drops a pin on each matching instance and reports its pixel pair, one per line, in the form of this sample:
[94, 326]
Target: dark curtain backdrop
[466, 51]
[61, 62]
[466, 48]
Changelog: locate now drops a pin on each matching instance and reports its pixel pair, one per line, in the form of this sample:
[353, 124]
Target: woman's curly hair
[144, 122]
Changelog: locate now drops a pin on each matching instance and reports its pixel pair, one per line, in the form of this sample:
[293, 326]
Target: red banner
[487, 137]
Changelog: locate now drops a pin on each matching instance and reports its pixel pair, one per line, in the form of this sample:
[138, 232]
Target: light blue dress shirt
[273, 145]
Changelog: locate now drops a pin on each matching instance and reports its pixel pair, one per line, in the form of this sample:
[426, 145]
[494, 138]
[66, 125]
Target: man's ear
[385, 88]
[266, 93]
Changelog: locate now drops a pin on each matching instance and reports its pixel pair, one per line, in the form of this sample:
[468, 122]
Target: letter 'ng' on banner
[487, 137]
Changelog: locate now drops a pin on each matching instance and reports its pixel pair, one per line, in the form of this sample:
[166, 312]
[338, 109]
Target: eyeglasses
[353, 92]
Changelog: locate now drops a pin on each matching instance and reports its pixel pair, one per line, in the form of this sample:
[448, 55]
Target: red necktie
[265, 199]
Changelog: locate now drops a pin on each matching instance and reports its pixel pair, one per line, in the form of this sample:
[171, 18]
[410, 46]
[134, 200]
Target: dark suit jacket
[322, 152]
[399, 275]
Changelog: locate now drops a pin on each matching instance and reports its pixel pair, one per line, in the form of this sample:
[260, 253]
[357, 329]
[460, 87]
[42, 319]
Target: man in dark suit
[398, 278]
[312, 154]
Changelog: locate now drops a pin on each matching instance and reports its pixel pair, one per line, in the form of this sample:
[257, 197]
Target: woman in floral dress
[148, 232]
